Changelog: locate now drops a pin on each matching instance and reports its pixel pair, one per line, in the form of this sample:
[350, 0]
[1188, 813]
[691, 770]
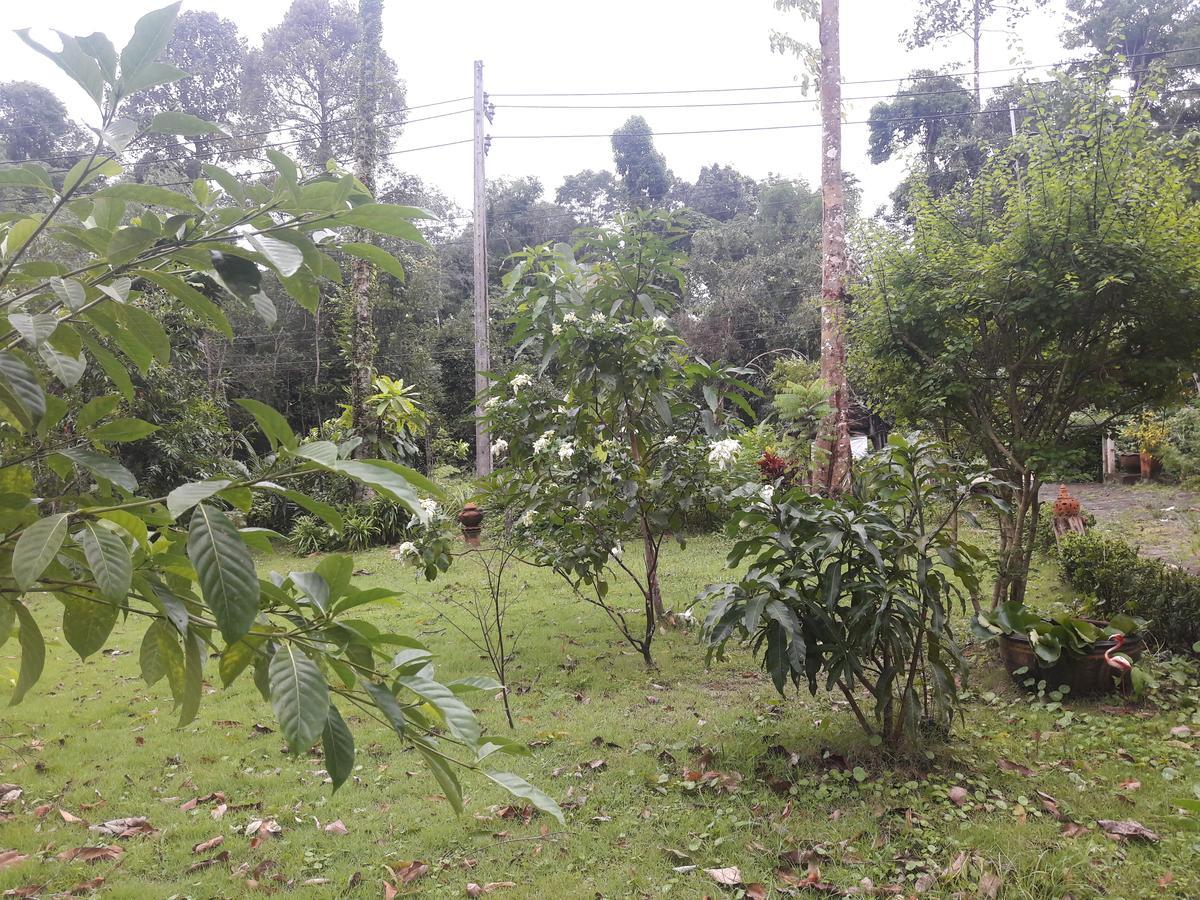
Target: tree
[75, 529]
[934, 111]
[939, 20]
[305, 81]
[1062, 280]
[1145, 35]
[34, 124]
[594, 198]
[601, 417]
[642, 169]
[720, 192]
[213, 50]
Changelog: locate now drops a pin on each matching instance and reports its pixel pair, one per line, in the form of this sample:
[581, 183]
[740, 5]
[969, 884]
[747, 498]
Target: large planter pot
[1129, 462]
[1087, 676]
[471, 521]
[1149, 465]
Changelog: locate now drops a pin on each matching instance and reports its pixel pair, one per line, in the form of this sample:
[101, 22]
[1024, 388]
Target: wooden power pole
[483, 441]
[831, 469]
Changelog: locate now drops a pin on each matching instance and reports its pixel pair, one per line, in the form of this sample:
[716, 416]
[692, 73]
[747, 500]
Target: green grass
[94, 740]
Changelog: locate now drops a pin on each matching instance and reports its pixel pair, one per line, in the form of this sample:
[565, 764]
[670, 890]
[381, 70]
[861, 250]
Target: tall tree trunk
[362, 274]
[831, 470]
[976, 38]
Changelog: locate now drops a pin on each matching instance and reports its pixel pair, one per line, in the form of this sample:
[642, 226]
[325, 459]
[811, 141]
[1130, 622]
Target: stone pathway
[1162, 520]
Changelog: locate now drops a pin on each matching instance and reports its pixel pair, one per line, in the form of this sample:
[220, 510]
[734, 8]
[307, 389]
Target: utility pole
[362, 273]
[831, 467]
[483, 363]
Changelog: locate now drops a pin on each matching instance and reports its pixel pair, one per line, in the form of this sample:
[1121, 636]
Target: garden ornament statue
[1067, 516]
[471, 520]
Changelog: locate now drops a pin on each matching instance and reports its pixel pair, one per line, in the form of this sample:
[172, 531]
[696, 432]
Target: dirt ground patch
[1162, 520]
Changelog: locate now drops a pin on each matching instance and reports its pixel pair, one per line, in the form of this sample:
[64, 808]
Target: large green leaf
[173, 122]
[272, 422]
[519, 787]
[338, 744]
[36, 547]
[33, 653]
[34, 328]
[381, 478]
[108, 558]
[324, 510]
[149, 195]
[193, 677]
[101, 466]
[377, 256]
[299, 696]
[239, 276]
[223, 565]
[160, 652]
[151, 35]
[191, 298]
[149, 332]
[119, 431]
[72, 59]
[87, 623]
[20, 392]
[186, 496]
[67, 368]
[459, 718]
[285, 257]
[237, 656]
[385, 218]
[442, 771]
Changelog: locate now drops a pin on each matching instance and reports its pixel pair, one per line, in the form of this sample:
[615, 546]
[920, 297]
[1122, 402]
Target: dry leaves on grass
[86, 887]
[125, 828]
[336, 827]
[1007, 765]
[11, 858]
[478, 890]
[91, 854]
[9, 793]
[220, 858]
[70, 818]
[1127, 829]
[958, 795]
[729, 876]
[211, 844]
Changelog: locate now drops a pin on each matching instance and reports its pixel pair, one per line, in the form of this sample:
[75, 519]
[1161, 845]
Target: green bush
[1043, 539]
[1181, 456]
[1121, 581]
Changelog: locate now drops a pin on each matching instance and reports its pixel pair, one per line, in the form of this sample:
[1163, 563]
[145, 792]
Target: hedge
[1122, 581]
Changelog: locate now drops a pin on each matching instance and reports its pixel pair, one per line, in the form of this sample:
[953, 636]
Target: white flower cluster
[670, 440]
[659, 323]
[598, 318]
[565, 451]
[490, 403]
[723, 454]
[570, 318]
[407, 553]
[767, 493]
[499, 448]
[543, 443]
[519, 381]
[556, 329]
[528, 518]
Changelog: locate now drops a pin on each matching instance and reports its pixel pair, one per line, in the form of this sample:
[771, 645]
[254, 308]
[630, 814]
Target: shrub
[1182, 454]
[1122, 582]
[1043, 540]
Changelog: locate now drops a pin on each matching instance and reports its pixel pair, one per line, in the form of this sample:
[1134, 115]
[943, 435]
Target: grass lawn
[612, 743]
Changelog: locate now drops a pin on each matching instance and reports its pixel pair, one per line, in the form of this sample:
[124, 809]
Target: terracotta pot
[1087, 676]
[1065, 506]
[471, 521]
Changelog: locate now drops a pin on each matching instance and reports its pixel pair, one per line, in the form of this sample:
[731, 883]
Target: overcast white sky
[619, 45]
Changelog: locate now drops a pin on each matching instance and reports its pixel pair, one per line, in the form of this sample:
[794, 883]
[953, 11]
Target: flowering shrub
[606, 429]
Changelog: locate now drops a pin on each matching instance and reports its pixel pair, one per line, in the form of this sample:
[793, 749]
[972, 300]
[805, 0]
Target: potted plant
[1088, 656]
[1149, 434]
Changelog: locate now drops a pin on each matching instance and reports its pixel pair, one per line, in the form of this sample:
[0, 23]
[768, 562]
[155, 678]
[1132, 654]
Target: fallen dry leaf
[958, 795]
[30, 890]
[41, 811]
[989, 886]
[410, 872]
[9, 793]
[86, 887]
[91, 854]
[69, 818]
[222, 857]
[211, 844]
[1180, 731]
[124, 828]
[337, 827]
[1008, 765]
[1073, 829]
[730, 876]
[11, 858]
[478, 890]
[1130, 784]
[756, 892]
[1127, 828]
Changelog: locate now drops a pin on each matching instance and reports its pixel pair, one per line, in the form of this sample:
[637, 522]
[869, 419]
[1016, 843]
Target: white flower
[556, 329]
[670, 440]
[566, 451]
[528, 517]
[430, 507]
[598, 318]
[767, 493]
[543, 442]
[621, 327]
[659, 323]
[519, 381]
[490, 403]
[617, 552]
[499, 448]
[587, 505]
[570, 318]
[723, 454]
[406, 552]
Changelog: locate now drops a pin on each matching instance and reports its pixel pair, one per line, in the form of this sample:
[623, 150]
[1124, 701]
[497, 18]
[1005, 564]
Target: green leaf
[128, 243]
[154, 74]
[386, 218]
[151, 35]
[223, 565]
[458, 716]
[24, 176]
[324, 453]
[69, 291]
[128, 522]
[160, 653]
[22, 394]
[35, 329]
[66, 367]
[285, 166]
[377, 256]
[171, 122]
[108, 558]
[122, 430]
[100, 48]
[8, 619]
[271, 422]
[149, 195]
[226, 179]
[149, 332]
[193, 678]
[521, 788]
[186, 496]
[111, 365]
[101, 466]
[338, 744]
[387, 704]
[236, 657]
[33, 653]
[312, 586]
[241, 277]
[299, 696]
[441, 771]
[88, 170]
[316, 507]
[191, 298]
[87, 624]
[382, 479]
[264, 308]
[95, 410]
[36, 547]
[82, 69]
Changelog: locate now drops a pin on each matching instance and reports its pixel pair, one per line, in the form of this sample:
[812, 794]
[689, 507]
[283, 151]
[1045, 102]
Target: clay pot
[1065, 506]
[1087, 676]
[471, 521]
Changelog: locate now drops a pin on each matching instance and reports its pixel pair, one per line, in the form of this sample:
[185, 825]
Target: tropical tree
[1063, 279]
[605, 422]
[34, 124]
[642, 169]
[75, 530]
